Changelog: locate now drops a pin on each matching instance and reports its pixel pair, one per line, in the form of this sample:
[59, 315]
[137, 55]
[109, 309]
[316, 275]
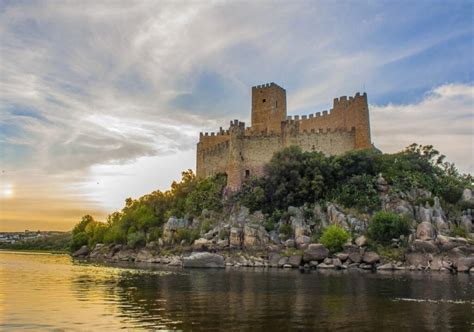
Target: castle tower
[268, 107]
[234, 169]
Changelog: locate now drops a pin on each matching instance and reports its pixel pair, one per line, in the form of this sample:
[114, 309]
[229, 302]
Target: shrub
[154, 234]
[423, 200]
[206, 227]
[286, 229]
[334, 237]
[459, 231]
[359, 192]
[386, 226]
[189, 235]
[269, 225]
[136, 239]
[464, 205]
[78, 240]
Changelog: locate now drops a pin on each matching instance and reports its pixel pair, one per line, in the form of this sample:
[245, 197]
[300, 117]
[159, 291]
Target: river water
[54, 292]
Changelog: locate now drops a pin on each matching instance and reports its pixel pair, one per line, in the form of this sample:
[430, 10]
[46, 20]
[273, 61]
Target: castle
[241, 152]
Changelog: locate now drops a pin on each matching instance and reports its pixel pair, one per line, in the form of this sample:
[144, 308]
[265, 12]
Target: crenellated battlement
[240, 151]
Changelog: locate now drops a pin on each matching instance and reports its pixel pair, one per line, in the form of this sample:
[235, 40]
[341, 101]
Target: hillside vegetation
[359, 182]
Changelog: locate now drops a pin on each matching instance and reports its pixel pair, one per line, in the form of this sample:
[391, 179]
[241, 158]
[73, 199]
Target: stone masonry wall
[241, 152]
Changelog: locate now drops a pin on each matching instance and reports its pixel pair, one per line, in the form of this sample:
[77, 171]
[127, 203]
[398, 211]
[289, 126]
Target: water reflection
[59, 293]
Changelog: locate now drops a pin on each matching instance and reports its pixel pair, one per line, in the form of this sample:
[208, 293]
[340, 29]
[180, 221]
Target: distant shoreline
[37, 251]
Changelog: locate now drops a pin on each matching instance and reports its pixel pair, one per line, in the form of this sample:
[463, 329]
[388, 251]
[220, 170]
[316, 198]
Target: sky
[104, 100]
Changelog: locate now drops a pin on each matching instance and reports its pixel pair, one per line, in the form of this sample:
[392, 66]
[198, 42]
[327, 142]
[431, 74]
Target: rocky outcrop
[361, 241]
[424, 246]
[203, 260]
[466, 223]
[255, 237]
[81, 252]
[370, 257]
[425, 231]
[172, 226]
[337, 217]
[302, 241]
[294, 260]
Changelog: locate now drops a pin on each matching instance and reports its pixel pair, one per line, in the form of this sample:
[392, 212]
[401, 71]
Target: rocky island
[377, 227]
[297, 192]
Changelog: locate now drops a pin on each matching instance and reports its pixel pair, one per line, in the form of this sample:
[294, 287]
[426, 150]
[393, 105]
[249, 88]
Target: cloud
[88, 86]
[444, 118]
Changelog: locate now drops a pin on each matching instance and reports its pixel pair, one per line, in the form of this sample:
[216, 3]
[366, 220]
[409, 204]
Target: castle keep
[241, 151]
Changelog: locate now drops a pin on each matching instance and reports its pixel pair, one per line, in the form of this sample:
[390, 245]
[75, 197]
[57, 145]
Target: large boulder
[172, 226]
[81, 252]
[235, 237]
[355, 253]
[240, 217]
[100, 251]
[425, 231]
[467, 195]
[315, 252]
[144, 255]
[302, 241]
[294, 260]
[466, 223]
[204, 260]
[336, 216]
[255, 237]
[370, 257]
[125, 255]
[441, 225]
[361, 241]
[463, 264]
[425, 214]
[273, 259]
[202, 243]
[424, 246]
[418, 259]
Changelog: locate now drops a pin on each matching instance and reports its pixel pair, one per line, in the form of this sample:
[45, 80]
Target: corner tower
[268, 107]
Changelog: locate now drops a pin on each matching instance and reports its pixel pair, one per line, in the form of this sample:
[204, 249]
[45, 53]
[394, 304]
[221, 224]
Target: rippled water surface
[44, 292]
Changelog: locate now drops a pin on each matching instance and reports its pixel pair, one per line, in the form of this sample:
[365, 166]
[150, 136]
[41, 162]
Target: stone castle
[241, 152]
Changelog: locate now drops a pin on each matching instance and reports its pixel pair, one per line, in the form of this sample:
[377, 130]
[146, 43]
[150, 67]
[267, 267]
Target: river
[55, 292]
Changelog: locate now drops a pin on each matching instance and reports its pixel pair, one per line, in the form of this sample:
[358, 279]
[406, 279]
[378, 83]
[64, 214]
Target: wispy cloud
[88, 86]
[443, 118]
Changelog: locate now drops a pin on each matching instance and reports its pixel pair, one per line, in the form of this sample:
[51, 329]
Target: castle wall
[242, 152]
[345, 114]
[212, 160]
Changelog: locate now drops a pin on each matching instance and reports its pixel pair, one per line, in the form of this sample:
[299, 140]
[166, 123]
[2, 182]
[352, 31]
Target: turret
[268, 107]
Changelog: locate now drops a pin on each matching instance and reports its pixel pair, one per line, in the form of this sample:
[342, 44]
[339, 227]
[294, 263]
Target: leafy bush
[205, 227]
[154, 234]
[286, 229]
[451, 190]
[78, 240]
[189, 235]
[360, 192]
[269, 225]
[464, 205]
[423, 200]
[459, 231]
[386, 226]
[207, 194]
[136, 239]
[334, 237]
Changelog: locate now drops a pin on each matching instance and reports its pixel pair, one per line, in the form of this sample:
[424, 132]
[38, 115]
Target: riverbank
[447, 254]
